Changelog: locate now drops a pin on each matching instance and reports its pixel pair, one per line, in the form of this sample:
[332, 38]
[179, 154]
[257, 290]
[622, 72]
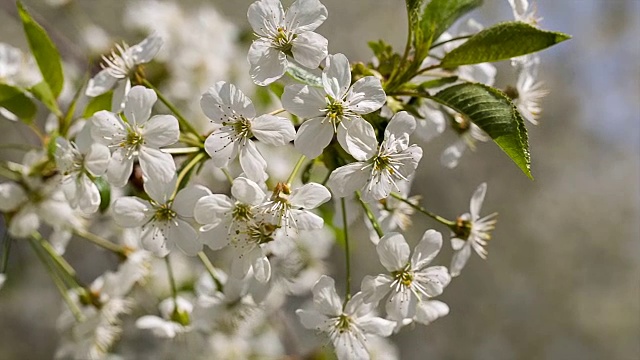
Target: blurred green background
[563, 276]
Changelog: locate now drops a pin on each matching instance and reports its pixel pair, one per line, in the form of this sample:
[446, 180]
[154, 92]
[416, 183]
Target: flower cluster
[162, 191]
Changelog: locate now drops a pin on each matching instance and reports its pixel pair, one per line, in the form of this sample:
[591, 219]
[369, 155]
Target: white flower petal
[360, 140]
[252, 162]
[137, 107]
[305, 15]
[160, 130]
[306, 220]
[159, 191]
[459, 260]
[100, 84]
[336, 76]
[366, 95]
[427, 249]
[156, 165]
[476, 201]
[393, 251]
[451, 155]
[374, 288]
[146, 50]
[220, 148]
[12, 195]
[309, 196]
[213, 209]
[344, 180]
[265, 12]
[434, 279]
[24, 222]
[273, 130]
[186, 199]
[119, 97]
[215, 238]
[97, 159]
[261, 267]
[313, 136]
[224, 100]
[119, 169]
[457, 244]
[153, 240]
[267, 63]
[325, 297]
[131, 211]
[401, 305]
[309, 49]
[312, 319]
[350, 347]
[184, 236]
[377, 326]
[88, 195]
[400, 124]
[304, 101]
[107, 128]
[247, 191]
[430, 310]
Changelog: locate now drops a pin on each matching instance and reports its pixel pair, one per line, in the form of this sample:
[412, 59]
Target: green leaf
[42, 92]
[100, 102]
[501, 42]
[439, 15]
[17, 102]
[303, 76]
[105, 193]
[44, 51]
[494, 113]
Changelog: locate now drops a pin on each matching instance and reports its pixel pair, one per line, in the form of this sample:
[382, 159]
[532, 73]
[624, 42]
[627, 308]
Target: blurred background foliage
[563, 276]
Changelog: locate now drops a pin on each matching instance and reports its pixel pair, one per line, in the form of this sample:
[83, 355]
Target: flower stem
[210, 269]
[438, 218]
[184, 123]
[296, 168]
[57, 258]
[75, 310]
[196, 159]
[345, 230]
[5, 253]
[227, 174]
[172, 280]
[449, 40]
[370, 216]
[276, 112]
[103, 243]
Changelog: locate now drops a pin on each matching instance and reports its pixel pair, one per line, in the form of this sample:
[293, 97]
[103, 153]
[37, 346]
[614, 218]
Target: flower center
[180, 317]
[241, 212]
[119, 63]
[460, 124]
[343, 323]
[335, 110]
[463, 228]
[404, 277]
[383, 162]
[164, 213]
[241, 126]
[262, 233]
[512, 92]
[133, 139]
[282, 40]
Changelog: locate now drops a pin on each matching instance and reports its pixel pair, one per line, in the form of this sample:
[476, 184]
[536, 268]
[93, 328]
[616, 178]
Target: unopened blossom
[175, 318]
[469, 134]
[119, 67]
[290, 208]
[334, 108]
[230, 109]
[281, 34]
[223, 217]
[78, 163]
[409, 280]
[347, 328]
[165, 221]
[133, 134]
[379, 167]
[472, 232]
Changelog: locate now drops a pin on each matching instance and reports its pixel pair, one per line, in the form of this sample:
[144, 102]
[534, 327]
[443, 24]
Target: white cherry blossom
[525, 11]
[119, 66]
[290, 209]
[409, 281]
[528, 92]
[380, 167]
[229, 108]
[175, 318]
[334, 108]
[283, 33]
[79, 162]
[133, 134]
[223, 217]
[472, 232]
[469, 134]
[165, 221]
[347, 328]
